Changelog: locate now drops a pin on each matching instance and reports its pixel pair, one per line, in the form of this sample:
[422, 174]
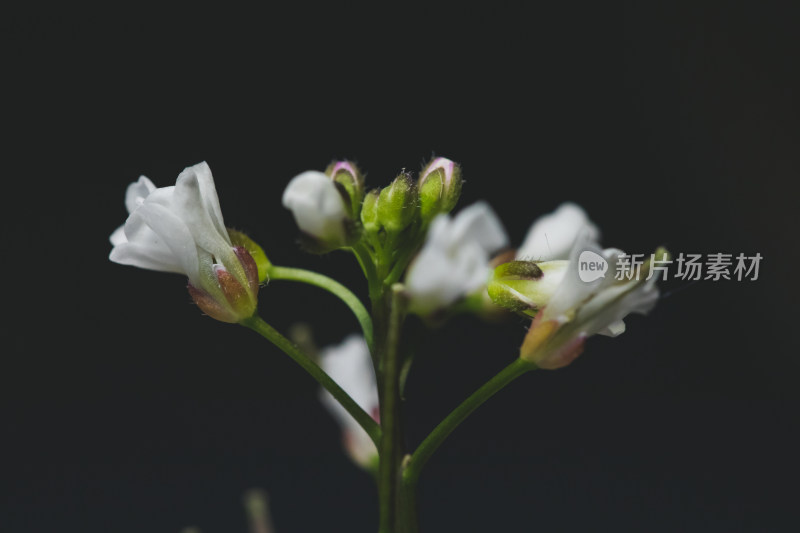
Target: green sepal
[254, 249]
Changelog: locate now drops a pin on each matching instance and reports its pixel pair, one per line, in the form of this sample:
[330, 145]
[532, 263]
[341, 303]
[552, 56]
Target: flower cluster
[407, 242]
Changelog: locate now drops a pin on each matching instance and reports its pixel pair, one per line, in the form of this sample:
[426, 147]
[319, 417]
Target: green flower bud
[369, 211]
[346, 175]
[524, 286]
[439, 187]
[397, 205]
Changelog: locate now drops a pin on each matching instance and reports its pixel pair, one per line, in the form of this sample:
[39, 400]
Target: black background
[123, 409]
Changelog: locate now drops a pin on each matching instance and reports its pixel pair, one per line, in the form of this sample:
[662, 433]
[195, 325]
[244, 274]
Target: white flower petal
[316, 204]
[139, 233]
[118, 237]
[208, 192]
[604, 313]
[471, 270]
[189, 205]
[572, 291]
[349, 364]
[454, 261]
[599, 307]
[613, 330]
[479, 223]
[155, 227]
[553, 236]
[144, 256]
[137, 192]
[437, 279]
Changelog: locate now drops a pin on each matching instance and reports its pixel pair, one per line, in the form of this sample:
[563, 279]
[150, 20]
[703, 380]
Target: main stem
[389, 315]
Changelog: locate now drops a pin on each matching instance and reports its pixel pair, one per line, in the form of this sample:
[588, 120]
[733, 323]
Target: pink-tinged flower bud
[234, 298]
[439, 187]
[348, 177]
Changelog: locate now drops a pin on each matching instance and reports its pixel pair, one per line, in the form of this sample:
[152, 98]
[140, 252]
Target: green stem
[400, 266]
[459, 414]
[368, 266]
[391, 441]
[257, 324]
[332, 286]
[409, 521]
[406, 255]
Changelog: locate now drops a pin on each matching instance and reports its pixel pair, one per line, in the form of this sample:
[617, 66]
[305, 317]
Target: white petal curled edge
[193, 209]
[208, 193]
[137, 192]
[553, 236]
[118, 237]
[316, 204]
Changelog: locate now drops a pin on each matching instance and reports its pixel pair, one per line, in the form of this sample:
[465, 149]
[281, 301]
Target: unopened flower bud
[348, 177]
[369, 211]
[397, 205]
[439, 187]
[320, 209]
[233, 297]
[525, 286]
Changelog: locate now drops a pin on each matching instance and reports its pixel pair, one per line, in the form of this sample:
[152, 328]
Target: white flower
[553, 236]
[600, 305]
[180, 229]
[454, 261]
[545, 282]
[318, 207]
[555, 241]
[349, 364]
[577, 309]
